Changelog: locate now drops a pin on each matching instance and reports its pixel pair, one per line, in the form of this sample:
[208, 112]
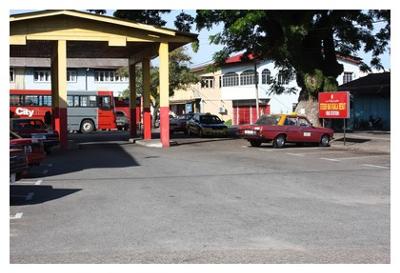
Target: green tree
[150, 17]
[303, 43]
[182, 22]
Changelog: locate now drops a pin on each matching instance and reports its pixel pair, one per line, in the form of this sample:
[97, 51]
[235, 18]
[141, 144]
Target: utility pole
[256, 87]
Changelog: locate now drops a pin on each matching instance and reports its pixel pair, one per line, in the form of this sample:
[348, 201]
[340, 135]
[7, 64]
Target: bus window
[84, 101]
[15, 100]
[46, 100]
[32, 100]
[92, 101]
[69, 101]
[76, 101]
[105, 102]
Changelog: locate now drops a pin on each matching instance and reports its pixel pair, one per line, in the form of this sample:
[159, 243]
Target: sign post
[335, 105]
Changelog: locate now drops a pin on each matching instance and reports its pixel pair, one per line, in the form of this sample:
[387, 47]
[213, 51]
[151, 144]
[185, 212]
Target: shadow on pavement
[21, 195]
[354, 140]
[88, 156]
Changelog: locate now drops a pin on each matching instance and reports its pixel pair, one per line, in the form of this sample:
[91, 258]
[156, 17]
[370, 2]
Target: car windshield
[268, 120]
[209, 119]
[21, 124]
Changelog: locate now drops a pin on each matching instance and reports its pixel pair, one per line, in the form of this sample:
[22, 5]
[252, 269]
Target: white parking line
[357, 157]
[29, 196]
[330, 159]
[301, 155]
[18, 215]
[37, 182]
[375, 166]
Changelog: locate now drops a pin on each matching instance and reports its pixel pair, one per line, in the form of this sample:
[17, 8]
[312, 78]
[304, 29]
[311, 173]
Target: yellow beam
[146, 82]
[59, 74]
[132, 86]
[18, 40]
[164, 75]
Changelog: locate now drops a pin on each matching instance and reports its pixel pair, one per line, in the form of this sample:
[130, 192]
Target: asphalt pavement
[203, 201]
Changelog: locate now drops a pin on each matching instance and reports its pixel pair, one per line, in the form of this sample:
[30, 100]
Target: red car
[33, 148]
[281, 129]
[35, 129]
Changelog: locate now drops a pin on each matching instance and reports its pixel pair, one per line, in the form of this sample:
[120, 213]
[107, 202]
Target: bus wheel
[87, 126]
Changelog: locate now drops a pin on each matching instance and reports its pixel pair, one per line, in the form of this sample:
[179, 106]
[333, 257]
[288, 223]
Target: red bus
[122, 105]
[87, 110]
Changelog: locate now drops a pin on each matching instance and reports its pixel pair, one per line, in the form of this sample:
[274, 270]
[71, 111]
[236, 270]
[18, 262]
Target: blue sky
[206, 51]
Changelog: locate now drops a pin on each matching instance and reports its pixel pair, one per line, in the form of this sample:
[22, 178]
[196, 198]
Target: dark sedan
[206, 125]
[179, 123]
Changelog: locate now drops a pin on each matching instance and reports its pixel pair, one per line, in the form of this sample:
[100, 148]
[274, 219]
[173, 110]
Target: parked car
[206, 124]
[281, 129]
[179, 123]
[35, 129]
[18, 164]
[34, 148]
[122, 120]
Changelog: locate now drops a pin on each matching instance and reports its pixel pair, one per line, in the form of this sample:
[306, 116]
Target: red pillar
[146, 99]
[133, 125]
[146, 123]
[164, 126]
[60, 126]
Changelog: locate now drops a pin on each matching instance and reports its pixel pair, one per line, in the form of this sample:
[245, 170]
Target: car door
[307, 132]
[292, 129]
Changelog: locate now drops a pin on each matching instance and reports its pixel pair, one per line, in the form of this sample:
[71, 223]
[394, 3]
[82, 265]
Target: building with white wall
[230, 92]
[238, 86]
[83, 74]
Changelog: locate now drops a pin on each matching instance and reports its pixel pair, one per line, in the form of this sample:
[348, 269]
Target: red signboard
[334, 104]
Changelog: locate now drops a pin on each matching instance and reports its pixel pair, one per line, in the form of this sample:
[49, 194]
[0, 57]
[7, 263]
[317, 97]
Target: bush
[228, 122]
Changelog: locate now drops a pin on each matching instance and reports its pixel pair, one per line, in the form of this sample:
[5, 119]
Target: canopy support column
[132, 100]
[146, 99]
[164, 94]
[59, 91]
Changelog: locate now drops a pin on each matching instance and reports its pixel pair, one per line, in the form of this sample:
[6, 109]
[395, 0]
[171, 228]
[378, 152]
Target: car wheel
[87, 126]
[255, 143]
[324, 141]
[279, 141]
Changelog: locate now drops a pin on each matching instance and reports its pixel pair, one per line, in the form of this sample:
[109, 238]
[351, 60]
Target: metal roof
[71, 63]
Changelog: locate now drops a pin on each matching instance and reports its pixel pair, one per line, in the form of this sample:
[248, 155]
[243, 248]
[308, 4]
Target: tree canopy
[182, 22]
[305, 42]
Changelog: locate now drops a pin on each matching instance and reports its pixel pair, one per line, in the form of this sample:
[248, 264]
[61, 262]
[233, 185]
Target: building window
[230, 79]
[42, 75]
[347, 77]
[108, 76]
[266, 77]
[207, 82]
[12, 75]
[247, 77]
[281, 79]
[71, 75]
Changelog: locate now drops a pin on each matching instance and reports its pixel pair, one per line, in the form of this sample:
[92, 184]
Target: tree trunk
[309, 108]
